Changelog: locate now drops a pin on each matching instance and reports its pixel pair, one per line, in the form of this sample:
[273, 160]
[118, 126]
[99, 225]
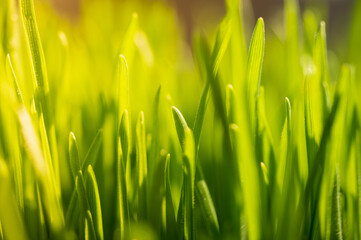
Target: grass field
[112, 126]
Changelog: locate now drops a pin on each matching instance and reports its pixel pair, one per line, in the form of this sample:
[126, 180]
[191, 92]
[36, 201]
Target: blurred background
[196, 13]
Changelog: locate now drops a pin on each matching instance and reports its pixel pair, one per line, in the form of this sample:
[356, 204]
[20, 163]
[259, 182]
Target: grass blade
[141, 154]
[84, 205]
[169, 223]
[336, 218]
[94, 202]
[121, 176]
[73, 155]
[254, 66]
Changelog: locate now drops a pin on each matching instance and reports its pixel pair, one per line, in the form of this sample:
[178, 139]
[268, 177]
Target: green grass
[112, 126]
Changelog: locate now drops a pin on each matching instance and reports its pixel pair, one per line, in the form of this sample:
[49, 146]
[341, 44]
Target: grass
[113, 127]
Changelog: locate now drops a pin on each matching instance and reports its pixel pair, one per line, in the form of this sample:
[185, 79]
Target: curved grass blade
[203, 196]
[254, 66]
[11, 222]
[94, 202]
[180, 125]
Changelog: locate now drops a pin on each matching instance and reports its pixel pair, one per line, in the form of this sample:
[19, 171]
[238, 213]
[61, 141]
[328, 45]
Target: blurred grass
[115, 127]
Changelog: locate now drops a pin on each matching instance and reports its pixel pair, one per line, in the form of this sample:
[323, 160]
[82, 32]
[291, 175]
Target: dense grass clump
[113, 127]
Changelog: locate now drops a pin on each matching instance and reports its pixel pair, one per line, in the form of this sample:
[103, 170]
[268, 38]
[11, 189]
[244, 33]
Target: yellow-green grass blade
[94, 202]
[336, 217]
[11, 222]
[73, 155]
[12, 135]
[41, 85]
[237, 45]
[189, 178]
[124, 224]
[312, 189]
[142, 166]
[84, 205]
[73, 211]
[42, 171]
[254, 66]
[169, 221]
[203, 196]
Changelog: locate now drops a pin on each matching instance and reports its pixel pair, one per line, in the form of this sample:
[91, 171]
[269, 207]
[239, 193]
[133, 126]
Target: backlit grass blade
[288, 189]
[13, 134]
[94, 202]
[11, 73]
[336, 217]
[207, 207]
[121, 176]
[141, 149]
[180, 125]
[73, 155]
[235, 10]
[11, 221]
[169, 220]
[220, 46]
[42, 172]
[84, 205]
[203, 196]
[254, 66]
[321, 62]
[73, 210]
[309, 110]
[141, 155]
[41, 85]
[188, 184]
